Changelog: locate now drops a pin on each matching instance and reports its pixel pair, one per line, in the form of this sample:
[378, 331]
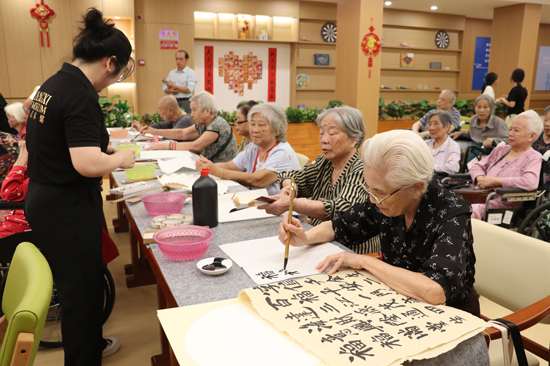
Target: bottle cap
[204, 172]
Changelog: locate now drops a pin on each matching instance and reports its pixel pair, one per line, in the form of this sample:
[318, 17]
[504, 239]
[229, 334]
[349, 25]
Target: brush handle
[290, 208]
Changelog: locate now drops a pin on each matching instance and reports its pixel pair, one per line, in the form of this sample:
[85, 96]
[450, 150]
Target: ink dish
[214, 266]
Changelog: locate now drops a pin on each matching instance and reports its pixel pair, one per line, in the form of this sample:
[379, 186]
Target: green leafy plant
[395, 110]
[115, 114]
[381, 109]
[230, 117]
[309, 115]
[334, 103]
[465, 107]
[418, 109]
[294, 115]
[501, 110]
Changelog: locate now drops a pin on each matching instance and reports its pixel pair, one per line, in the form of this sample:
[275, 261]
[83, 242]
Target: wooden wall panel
[404, 18]
[121, 8]
[169, 11]
[317, 11]
[422, 38]
[317, 99]
[22, 45]
[4, 79]
[280, 8]
[540, 99]
[474, 28]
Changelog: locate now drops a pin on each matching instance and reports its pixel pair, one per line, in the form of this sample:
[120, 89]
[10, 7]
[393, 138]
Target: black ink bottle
[205, 200]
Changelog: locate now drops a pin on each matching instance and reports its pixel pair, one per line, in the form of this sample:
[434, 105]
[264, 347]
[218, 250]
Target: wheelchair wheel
[51, 337]
[537, 223]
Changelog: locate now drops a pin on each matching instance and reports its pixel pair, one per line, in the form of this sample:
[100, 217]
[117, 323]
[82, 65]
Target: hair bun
[95, 24]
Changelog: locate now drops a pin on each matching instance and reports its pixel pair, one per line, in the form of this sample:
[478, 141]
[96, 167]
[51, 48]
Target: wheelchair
[51, 336]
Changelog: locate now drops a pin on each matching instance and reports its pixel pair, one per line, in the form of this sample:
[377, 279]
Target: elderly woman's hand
[488, 182]
[278, 207]
[203, 162]
[285, 191]
[159, 146]
[23, 157]
[136, 125]
[354, 261]
[455, 135]
[298, 236]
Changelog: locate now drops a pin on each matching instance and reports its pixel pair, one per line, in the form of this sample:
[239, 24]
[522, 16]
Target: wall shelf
[412, 91]
[315, 67]
[318, 43]
[240, 40]
[412, 49]
[315, 89]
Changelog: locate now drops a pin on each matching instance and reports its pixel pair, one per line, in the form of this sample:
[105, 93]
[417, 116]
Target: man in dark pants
[181, 81]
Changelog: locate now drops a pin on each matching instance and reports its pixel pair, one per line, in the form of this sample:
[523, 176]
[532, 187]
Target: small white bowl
[218, 271]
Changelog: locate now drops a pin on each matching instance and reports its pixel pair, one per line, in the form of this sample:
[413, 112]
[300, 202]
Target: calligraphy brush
[287, 246]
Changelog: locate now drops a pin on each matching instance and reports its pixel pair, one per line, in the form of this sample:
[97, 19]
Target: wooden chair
[513, 271]
[302, 159]
[25, 304]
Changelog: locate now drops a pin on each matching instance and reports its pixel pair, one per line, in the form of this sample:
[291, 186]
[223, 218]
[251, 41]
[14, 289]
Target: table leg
[120, 223]
[167, 357]
[141, 273]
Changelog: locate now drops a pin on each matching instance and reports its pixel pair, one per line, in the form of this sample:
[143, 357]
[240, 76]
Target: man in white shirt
[181, 81]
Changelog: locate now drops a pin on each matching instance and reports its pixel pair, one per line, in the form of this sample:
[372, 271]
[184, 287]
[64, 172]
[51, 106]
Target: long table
[180, 283]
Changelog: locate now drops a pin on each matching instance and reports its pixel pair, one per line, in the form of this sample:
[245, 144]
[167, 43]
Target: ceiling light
[434, 7]
[387, 3]
[117, 17]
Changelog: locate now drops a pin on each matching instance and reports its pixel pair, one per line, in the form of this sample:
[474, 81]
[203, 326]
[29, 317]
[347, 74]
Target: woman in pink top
[515, 166]
[445, 151]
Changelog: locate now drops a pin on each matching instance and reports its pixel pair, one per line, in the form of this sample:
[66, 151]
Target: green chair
[466, 125]
[25, 304]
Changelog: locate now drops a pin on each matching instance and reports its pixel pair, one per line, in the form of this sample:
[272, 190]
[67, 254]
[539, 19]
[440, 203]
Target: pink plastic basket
[164, 203]
[183, 242]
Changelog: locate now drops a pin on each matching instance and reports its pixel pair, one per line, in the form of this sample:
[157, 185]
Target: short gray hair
[488, 98]
[349, 119]
[276, 117]
[546, 110]
[169, 101]
[16, 111]
[534, 122]
[402, 156]
[443, 117]
[451, 94]
[205, 100]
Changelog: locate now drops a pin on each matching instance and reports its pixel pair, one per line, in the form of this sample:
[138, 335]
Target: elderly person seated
[174, 119]
[445, 102]
[212, 135]
[333, 182]
[17, 118]
[242, 127]
[542, 144]
[486, 129]
[9, 151]
[445, 151]
[514, 166]
[427, 243]
[267, 155]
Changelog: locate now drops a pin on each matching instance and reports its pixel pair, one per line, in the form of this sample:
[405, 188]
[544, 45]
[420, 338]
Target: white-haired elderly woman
[515, 166]
[262, 159]
[17, 118]
[486, 129]
[333, 181]
[211, 136]
[445, 103]
[445, 151]
[426, 242]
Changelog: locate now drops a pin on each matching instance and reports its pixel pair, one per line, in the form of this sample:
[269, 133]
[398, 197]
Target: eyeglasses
[127, 70]
[379, 201]
[238, 123]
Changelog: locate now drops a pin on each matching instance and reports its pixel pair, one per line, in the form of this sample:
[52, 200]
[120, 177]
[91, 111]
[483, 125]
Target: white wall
[227, 99]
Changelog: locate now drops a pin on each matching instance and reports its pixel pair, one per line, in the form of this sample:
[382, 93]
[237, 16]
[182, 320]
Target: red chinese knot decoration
[371, 45]
[42, 11]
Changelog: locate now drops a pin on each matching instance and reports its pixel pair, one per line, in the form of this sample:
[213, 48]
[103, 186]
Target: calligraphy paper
[226, 204]
[173, 165]
[189, 180]
[352, 317]
[164, 154]
[262, 259]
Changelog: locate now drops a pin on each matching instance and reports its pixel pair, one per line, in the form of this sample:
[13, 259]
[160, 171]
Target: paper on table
[170, 166]
[165, 154]
[189, 180]
[262, 259]
[227, 328]
[226, 204]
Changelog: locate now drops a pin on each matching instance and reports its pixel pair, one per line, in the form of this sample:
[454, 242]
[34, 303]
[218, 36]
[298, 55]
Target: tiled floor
[135, 323]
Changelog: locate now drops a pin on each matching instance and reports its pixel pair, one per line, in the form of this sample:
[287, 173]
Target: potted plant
[116, 116]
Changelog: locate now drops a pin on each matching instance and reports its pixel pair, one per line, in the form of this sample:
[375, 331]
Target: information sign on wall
[481, 61]
[168, 39]
[543, 69]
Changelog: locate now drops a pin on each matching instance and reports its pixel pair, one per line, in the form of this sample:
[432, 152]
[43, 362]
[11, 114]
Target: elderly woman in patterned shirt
[333, 182]
[425, 229]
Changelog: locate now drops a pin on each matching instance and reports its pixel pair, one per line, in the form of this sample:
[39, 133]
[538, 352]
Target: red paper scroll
[272, 75]
[209, 69]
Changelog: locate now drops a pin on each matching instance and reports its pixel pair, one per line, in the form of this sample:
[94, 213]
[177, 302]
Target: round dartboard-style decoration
[329, 32]
[442, 39]
[302, 81]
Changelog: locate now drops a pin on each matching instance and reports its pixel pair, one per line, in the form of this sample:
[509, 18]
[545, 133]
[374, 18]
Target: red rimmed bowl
[164, 203]
[184, 242]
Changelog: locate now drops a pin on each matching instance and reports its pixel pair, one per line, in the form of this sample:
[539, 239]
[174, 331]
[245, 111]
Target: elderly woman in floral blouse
[425, 229]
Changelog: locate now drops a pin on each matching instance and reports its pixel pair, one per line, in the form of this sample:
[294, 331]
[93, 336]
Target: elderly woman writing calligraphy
[211, 135]
[514, 166]
[333, 182]
[425, 229]
[267, 155]
[445, 151]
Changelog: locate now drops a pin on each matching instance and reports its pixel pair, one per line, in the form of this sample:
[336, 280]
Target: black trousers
[66, 223]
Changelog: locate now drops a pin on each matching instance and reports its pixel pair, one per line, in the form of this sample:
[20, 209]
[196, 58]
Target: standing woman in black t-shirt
[515, 100]
[68, 155]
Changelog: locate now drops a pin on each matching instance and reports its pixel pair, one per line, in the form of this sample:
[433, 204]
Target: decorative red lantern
[371, 45]
[42, 11]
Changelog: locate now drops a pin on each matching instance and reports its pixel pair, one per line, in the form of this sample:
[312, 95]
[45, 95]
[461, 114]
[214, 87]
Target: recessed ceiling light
[388, 3]
[117, 17]
[434, 7]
